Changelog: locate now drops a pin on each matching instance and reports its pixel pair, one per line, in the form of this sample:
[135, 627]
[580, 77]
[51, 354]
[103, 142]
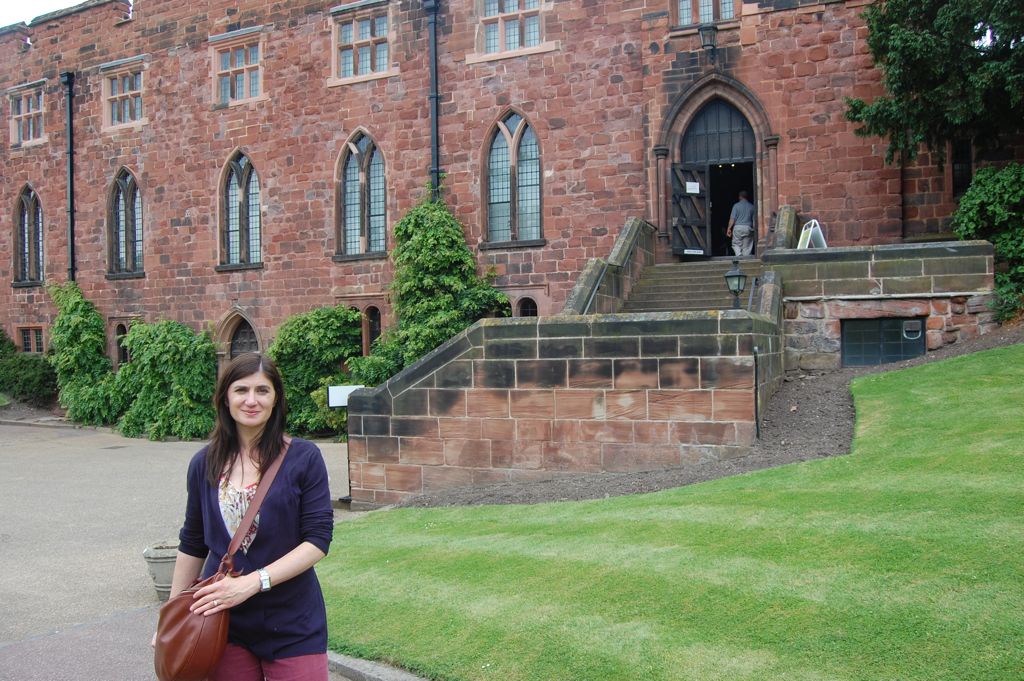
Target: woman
[278, 621]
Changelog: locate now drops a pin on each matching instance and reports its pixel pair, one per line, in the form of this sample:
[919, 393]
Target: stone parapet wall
[948, 283]
[523, 399]
[604, 285]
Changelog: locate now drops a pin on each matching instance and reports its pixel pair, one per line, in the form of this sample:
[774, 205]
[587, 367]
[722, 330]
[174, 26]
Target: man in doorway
[741, 225]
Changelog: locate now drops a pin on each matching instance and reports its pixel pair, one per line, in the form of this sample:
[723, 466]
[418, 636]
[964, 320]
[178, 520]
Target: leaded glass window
[514, 182]
[29, 241]
[125, 225]
[362, 46]
[241, 239]
[363, 194]
[708, 11]
[510, 25]
[243, 340]
[238, 72]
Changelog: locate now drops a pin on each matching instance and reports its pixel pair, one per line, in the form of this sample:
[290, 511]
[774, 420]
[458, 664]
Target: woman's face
[251, 400]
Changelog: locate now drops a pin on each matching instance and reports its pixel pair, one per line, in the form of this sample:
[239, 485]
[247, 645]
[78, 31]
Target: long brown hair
[224, 442]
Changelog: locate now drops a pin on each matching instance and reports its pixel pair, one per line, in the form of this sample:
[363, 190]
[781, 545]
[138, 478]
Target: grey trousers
[742, 239]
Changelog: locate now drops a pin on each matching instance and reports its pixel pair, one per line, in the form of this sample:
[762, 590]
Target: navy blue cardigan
[290, 619]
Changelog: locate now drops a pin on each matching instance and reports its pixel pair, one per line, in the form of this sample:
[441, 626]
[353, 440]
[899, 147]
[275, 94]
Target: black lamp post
[736, 281]
[709, 39]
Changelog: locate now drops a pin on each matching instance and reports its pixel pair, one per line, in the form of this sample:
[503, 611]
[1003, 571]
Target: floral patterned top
[234, 503]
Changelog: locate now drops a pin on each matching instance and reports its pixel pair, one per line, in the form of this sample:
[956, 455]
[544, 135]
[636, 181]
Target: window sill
[240, 102]
[526, 243]
[691, 29]
[239, 267]
[125, 127]
[480, 57]
[26, 284]
[39, 141]
[115, 276]
[373, 255]
[335, 81]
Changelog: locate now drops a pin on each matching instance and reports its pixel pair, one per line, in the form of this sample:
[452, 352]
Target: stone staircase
[689, 286]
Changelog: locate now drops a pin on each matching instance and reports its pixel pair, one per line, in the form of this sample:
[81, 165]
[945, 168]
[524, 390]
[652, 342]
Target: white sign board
[693, 187]
[693, 251]
[337, 395]
[811, 236]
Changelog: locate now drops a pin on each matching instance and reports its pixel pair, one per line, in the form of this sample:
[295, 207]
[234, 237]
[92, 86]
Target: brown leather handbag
[189, 645]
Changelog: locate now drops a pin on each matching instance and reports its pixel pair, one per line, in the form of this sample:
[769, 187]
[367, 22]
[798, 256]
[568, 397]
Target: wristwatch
[264, 579]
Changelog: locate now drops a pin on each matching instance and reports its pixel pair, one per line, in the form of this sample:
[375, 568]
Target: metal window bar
[122, 231]
[233, 209]
[528, 189]
[353, 217]
[376, 188]
[253, 224]
[499, 218]
[137, 216]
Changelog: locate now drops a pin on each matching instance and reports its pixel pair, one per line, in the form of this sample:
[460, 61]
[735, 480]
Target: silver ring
[216, 603]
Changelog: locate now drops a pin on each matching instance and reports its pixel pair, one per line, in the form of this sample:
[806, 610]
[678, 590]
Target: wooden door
[691, 230]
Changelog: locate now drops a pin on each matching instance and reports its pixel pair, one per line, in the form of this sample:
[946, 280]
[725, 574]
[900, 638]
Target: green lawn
[4, 400]
[904, 560]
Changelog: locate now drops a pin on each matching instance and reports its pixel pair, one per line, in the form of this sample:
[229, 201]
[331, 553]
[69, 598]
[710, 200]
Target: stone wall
[524, 399]
[949, 283]
[604, 285]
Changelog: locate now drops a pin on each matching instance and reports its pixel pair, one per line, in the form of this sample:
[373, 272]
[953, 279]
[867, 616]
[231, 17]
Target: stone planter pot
[160, 561]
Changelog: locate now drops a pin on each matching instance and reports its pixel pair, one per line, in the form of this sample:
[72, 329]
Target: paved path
[77, 508]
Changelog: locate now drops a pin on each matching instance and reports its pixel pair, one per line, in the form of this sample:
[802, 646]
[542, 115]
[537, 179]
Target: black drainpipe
[67, 79]
[432, 7]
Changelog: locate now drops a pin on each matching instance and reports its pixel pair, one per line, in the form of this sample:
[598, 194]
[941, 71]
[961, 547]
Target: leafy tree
[309, 350]
[952, 68]
[436, 290]
[993, 209]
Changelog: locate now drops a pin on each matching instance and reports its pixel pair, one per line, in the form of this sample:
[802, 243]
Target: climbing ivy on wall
[436, 291]
[310, 350]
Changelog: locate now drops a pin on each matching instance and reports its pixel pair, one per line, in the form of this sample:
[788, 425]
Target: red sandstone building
[235, 163]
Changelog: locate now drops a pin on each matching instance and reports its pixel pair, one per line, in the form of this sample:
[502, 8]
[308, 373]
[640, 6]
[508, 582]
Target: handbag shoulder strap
[254, 507]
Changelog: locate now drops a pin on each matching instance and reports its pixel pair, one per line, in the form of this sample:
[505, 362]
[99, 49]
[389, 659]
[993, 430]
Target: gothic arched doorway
[717, 160]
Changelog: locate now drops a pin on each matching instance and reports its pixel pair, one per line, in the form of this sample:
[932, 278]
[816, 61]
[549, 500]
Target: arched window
[527, 307]
[513, 182]
[125, 221]
[122, 352]
[243, 340]
[240, 217]
[373, 324]
[28, 256]
[362, 201]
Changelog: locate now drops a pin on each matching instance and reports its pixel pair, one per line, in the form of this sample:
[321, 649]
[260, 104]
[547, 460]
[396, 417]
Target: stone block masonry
[948, 283]
[523, 399]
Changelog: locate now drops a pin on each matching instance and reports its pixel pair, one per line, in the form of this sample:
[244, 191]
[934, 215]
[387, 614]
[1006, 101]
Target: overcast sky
[13, 11]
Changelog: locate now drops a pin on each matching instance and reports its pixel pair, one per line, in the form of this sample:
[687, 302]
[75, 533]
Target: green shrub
[7, 346]
[169, 382]
[335, 419]
[28, 378]
[993, 209]
[309, 349]
[437, 292]
[78, 347]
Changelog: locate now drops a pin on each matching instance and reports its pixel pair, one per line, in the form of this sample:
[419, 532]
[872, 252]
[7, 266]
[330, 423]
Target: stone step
[668, 306]
[667, 285]
[688, 286]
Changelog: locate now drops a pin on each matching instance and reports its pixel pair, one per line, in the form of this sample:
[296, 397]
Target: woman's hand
[225, 593]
